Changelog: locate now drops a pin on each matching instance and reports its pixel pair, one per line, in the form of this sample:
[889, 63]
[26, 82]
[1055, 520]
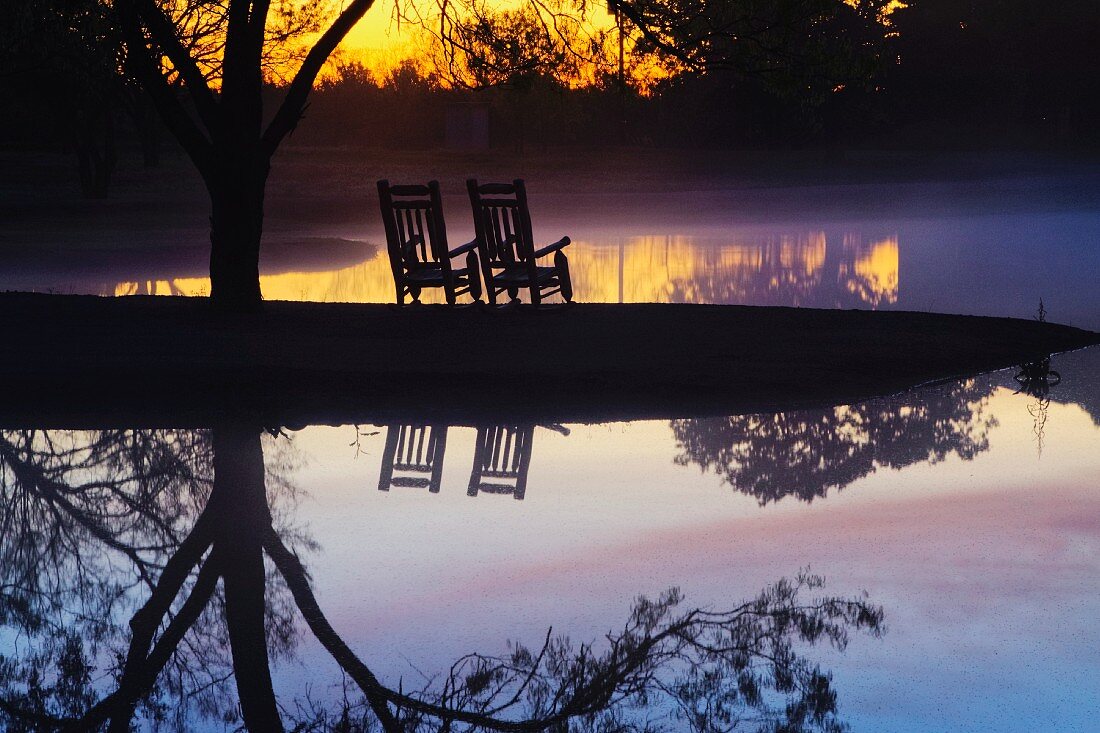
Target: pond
[968, 511]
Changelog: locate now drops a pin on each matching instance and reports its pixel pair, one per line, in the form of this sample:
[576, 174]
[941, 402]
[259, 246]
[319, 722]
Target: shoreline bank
[82, 360]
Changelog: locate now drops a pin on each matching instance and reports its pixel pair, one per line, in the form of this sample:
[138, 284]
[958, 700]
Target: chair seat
[410, 482]
[432, 275]
[520, 276]
[496, 488]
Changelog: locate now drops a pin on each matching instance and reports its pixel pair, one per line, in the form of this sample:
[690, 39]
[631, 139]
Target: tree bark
[236, 225]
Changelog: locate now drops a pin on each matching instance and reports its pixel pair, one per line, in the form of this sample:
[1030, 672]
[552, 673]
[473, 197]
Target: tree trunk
[236, 224]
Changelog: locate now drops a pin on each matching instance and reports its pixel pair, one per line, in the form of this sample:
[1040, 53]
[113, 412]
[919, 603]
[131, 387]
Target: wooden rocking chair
[416, 240]
[415, 454]
[509, 260]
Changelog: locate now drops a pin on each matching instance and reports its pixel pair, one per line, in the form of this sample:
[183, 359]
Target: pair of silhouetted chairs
[503, 248]
[413, 457]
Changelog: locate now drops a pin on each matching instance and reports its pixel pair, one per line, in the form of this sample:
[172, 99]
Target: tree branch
[166, 34]
[290, 111]
[295, 575]
[141, 64]
[141, 671]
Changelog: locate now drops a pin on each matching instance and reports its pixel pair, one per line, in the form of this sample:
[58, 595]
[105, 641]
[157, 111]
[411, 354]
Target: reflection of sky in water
[801, 269]
[983, 553]
[982, 549]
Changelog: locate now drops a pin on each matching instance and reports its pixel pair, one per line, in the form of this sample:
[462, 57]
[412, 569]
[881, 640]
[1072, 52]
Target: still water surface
[984, 264]
[969, 511]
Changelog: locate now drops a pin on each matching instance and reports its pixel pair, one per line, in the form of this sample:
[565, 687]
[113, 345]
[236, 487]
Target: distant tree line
[934, 74]
[60, 84]
[931, 74]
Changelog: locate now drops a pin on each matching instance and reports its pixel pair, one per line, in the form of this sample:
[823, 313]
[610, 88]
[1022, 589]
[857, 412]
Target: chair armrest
[468, 247]
[560, 244]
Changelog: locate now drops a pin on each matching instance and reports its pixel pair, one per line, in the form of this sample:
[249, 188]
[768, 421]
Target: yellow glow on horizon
[379, 40]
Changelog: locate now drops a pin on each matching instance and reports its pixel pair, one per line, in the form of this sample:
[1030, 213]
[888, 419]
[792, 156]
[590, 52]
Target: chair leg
[480, 447]
[473, 271]
[561, 264]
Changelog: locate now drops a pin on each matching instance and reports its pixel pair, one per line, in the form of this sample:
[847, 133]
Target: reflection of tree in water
[806, 453]
[795, 271]
[1044, 384]
[175, 533]
[90, 520]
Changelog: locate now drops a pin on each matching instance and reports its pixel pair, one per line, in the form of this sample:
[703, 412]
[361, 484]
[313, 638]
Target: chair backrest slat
[494, 188]
[416, 233]
[413, 189]
[502, 223]
[420, 234]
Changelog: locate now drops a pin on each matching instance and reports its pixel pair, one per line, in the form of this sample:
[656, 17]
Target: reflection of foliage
[710, 671]
[55, 683]
[794, 271]
[804, 454]
[1036, 378]
[90, 519]
[68, 500]
[191, 517]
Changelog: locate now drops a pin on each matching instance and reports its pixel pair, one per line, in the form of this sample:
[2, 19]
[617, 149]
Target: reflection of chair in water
[502, 456]
[416, 240]
[415, 451]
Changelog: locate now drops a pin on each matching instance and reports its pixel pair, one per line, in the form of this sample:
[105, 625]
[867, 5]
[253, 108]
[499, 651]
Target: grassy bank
[76, 360]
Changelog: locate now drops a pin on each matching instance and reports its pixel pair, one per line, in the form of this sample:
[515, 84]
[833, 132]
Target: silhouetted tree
[93, 520]
[62, 61]
[219, 54]
[800, 52]
[994, 65]
[223, 127]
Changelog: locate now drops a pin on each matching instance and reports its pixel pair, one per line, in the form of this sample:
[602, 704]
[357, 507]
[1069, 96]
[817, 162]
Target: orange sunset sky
[380, 41]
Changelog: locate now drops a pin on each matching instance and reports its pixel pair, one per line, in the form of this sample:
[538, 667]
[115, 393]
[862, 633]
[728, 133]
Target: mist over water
[973, 263]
